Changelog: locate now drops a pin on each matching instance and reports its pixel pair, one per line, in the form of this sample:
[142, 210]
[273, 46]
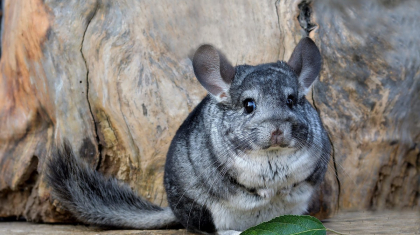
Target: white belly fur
[244, 210]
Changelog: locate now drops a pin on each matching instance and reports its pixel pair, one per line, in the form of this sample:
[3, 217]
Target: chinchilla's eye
[290, 100]
[249, 105]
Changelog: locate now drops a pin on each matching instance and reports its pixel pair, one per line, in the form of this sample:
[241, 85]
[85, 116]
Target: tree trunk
[115, 78]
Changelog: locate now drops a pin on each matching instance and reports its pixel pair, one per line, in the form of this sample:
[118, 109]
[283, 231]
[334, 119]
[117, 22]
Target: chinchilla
[252, 150]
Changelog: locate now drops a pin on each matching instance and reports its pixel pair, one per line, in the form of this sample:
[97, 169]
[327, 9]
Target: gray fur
[226, 169]
[94, 199]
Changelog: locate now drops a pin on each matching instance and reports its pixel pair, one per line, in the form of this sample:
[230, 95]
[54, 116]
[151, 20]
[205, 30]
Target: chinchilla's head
[264, 106]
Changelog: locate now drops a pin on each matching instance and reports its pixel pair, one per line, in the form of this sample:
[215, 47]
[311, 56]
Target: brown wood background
[115, 78]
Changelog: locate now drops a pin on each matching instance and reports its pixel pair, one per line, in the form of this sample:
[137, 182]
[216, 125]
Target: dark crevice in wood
[87, 82]
[305, 22]
[31, 174]
[336, 173]
[1, 23]
[332, 154]
[304, 16]
[12, 219]
[276, 5]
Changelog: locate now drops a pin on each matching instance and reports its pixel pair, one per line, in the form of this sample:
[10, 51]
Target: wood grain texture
[369, 99]
[42, 99]
[370, 222]
[115, 78]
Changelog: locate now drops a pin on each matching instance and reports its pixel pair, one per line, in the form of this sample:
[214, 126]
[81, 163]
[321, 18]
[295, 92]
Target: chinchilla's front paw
[228, 232]
[266, 193]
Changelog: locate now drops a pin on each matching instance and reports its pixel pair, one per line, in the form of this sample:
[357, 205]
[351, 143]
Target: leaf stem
[333, 231]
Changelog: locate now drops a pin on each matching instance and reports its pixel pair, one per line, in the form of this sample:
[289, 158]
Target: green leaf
[289, 225]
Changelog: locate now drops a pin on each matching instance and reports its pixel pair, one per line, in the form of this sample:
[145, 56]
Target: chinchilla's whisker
[224, 155]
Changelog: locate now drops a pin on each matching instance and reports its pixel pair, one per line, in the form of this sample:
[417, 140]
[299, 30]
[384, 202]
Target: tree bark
[368, 97]
[115, 78]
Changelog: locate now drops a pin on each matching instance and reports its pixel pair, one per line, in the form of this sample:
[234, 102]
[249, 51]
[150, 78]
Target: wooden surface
[115, 78]
[386, 222]
[389, 222]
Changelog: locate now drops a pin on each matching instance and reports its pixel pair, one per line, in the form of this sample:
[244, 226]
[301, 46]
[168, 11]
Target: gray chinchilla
[252, 150]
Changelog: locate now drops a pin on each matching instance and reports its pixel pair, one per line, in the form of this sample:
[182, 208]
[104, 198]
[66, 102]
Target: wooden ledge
[389, 222]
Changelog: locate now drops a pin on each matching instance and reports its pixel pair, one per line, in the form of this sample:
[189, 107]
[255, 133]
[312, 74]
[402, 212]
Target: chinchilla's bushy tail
[94, 199]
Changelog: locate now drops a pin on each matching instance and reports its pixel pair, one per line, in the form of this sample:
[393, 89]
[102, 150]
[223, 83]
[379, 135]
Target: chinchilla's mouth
[280, 151]
[277, 147]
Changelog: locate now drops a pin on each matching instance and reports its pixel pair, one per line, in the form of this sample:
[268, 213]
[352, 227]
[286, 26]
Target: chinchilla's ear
[306, 62]
[213, 71]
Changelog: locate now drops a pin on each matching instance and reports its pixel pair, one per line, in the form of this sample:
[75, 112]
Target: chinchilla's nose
[276, 137]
